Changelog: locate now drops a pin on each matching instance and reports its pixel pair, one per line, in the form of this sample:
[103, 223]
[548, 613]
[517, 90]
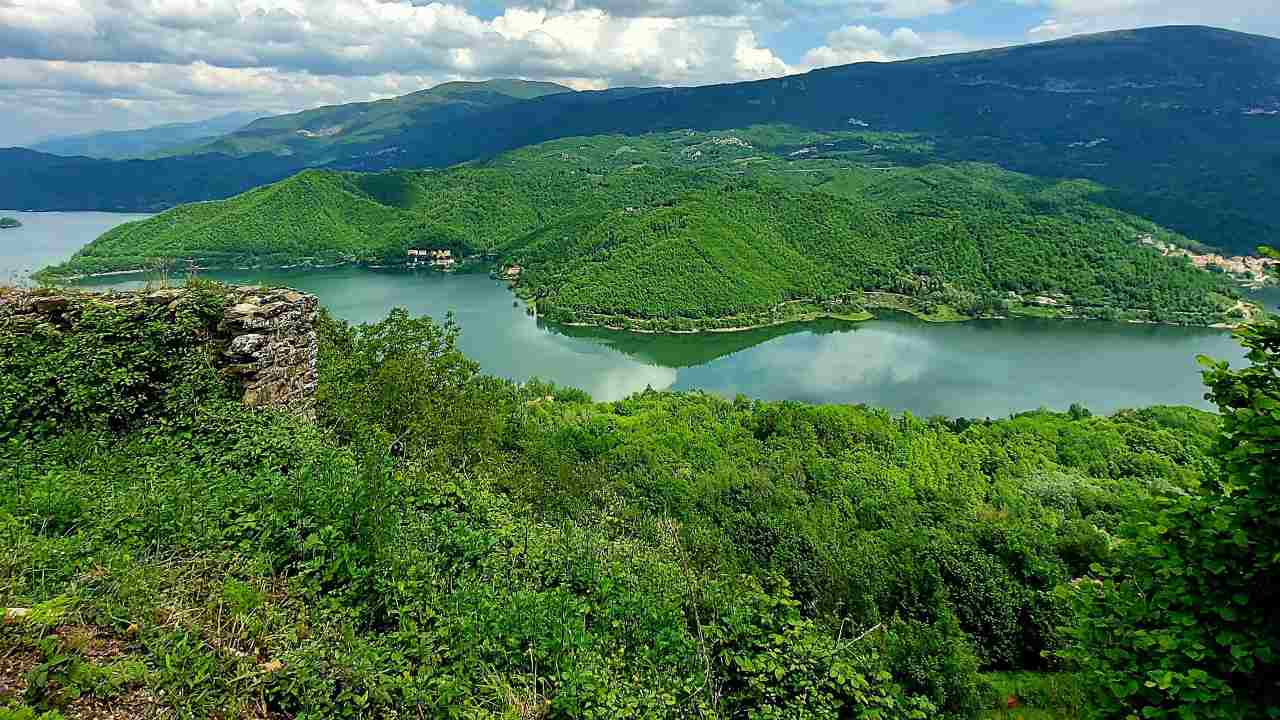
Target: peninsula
[688, 231]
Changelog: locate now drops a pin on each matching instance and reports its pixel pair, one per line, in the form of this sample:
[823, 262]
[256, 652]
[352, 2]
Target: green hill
[689, 230]
[314, 216]
[323, 216]
[755, 253]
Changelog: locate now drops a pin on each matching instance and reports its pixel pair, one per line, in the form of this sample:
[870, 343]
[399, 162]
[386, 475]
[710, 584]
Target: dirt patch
[15, 663]
[96, 645]
[135, 705]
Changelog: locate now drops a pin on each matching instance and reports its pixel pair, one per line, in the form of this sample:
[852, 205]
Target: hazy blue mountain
[31, 180]
[338, 132]
[121, 144]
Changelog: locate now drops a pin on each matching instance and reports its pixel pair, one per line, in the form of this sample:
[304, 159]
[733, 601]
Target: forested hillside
[942, 240]
[689, 230]
[1179, 123]
[444, 544]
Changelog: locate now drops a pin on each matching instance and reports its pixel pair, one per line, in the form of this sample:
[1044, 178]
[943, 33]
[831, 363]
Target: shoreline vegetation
[866, 313]
[845, 308]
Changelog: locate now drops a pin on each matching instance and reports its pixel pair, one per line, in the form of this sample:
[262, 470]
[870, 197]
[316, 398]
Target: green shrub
[111, 365]
[1185, 624]
[444, 544]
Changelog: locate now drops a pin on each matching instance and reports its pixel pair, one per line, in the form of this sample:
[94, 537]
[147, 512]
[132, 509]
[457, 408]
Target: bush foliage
[444, 544]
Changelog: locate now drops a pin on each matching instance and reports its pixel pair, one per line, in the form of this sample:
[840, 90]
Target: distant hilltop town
[1251, 272]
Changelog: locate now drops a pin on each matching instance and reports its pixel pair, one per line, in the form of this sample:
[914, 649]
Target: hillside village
[1251, 272]
[438, 259]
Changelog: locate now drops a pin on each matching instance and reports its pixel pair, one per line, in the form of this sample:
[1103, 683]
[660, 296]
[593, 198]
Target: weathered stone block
[248, 346]
[50, 303]
[165, 297]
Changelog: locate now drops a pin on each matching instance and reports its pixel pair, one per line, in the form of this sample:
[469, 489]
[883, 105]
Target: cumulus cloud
[1071, 17]
[657, 8]
[275, 52]
[78, 65]
[371, 37]
[860, 43]
[54, 97]
[771, 9]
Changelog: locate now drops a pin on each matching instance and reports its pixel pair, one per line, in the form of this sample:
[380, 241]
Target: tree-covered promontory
[687, 231]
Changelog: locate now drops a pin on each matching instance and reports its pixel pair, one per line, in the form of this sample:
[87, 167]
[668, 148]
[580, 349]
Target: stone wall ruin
[265, 340]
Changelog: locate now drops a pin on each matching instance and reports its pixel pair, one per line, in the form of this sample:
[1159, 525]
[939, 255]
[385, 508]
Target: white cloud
[860, 43]
[753, 61]
[48, 97]
[61, 60]
[1070, 17]
[774, 10]
[370, 37]
[289, 54]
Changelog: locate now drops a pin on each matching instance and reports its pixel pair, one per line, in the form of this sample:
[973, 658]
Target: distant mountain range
[122, 144]
[329, 134]
[1182, 124]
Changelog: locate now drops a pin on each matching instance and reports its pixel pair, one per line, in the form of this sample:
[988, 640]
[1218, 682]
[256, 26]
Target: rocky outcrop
[265, 338]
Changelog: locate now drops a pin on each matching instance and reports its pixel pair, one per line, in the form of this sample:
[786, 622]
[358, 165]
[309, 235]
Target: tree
[402, 386]
[1191, 627]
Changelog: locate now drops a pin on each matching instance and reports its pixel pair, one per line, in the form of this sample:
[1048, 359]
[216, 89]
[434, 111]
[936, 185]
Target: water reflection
[973, 369]
[1268, 297]
[693, 349]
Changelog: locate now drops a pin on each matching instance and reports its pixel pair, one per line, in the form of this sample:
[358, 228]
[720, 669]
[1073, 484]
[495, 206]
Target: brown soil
[97, 646]
[15, 663]
[137, 704]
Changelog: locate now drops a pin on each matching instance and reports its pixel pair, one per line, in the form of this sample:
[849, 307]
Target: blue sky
[72, 66]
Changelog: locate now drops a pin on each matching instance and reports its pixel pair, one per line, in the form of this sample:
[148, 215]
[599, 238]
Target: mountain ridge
[317, 135]
[139, 143]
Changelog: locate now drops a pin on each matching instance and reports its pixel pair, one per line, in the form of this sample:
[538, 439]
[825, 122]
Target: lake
[49, 237]
[975, 369]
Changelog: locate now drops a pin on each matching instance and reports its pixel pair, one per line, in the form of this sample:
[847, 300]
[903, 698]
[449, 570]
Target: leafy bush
[1186, 625]
[110, 364]
[445, 544]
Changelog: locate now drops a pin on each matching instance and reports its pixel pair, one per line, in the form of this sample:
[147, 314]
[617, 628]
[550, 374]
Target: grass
[942, 314]
[1034, 311]
[1034, 696]
[862, 316]
[901, 303]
